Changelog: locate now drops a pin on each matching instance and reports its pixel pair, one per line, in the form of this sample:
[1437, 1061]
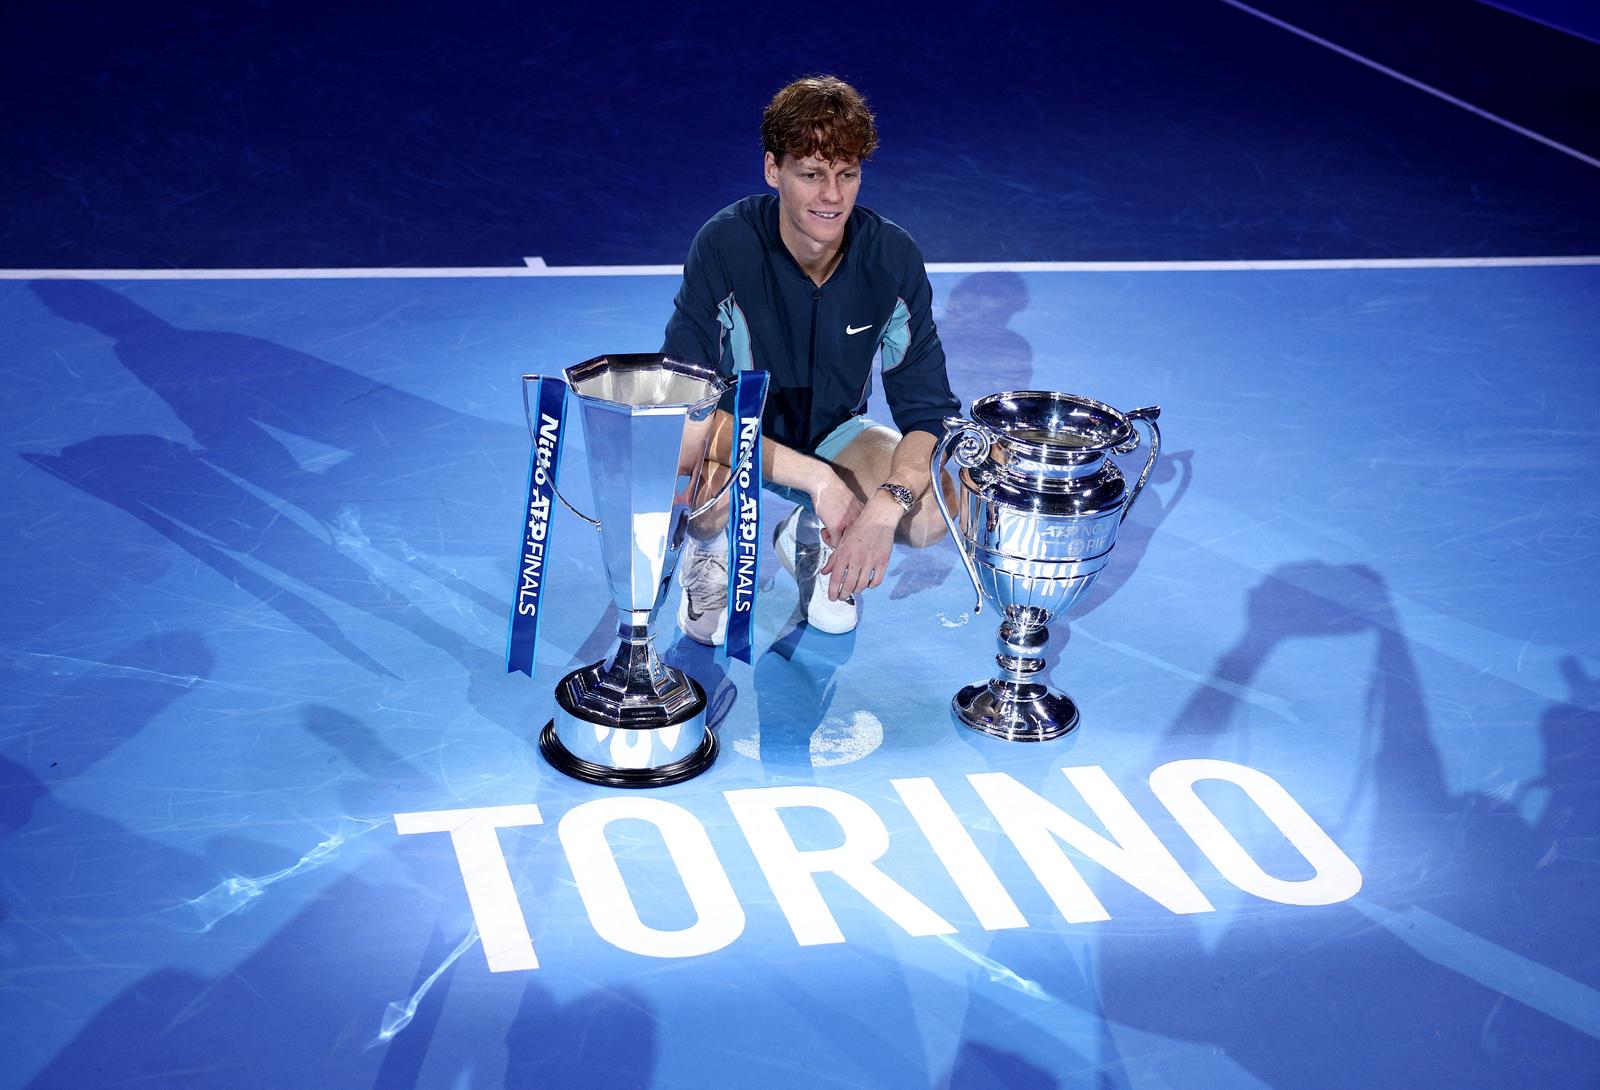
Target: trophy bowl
[1039, 503]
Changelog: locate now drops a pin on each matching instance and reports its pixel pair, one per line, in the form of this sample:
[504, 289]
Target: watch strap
[900, 493]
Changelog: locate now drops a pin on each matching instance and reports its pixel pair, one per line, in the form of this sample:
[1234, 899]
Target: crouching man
[811, 287]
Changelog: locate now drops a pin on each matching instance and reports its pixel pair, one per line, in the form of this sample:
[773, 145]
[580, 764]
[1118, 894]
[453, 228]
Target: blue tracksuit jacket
[746, 303]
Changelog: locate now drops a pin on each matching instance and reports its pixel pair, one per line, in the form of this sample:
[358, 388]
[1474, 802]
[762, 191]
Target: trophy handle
[744, 463]
[527, 414]
[1146, 416]
[972, 449]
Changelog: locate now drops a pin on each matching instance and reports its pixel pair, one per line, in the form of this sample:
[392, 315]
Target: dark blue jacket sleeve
[694, 331]
[914, 379]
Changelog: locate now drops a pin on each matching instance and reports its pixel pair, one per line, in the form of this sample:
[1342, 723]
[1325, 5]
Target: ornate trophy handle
[744, 463]
[1146, 416]
[527, 414]
[972, 449]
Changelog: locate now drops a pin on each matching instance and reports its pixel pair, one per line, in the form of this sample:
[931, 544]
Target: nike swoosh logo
[852, 330]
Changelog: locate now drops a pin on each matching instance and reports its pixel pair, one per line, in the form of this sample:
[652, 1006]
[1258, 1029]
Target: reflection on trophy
[630, 720]
[1040, 504]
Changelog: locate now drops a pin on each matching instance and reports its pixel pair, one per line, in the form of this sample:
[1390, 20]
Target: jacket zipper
[811, 357]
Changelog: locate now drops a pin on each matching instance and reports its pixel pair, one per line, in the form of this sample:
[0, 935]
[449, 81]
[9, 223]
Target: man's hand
[836, 506]
[862, 555]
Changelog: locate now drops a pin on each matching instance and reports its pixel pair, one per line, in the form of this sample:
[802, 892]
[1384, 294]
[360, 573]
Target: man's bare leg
[713, 475]
[703, 568]
[864, 464]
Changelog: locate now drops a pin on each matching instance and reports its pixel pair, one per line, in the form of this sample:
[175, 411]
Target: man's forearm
[779, 464]
[788, 467]
[909, 466]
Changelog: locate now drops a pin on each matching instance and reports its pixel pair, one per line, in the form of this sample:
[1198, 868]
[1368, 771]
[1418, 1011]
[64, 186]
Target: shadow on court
[303, 474]
[1478, 999]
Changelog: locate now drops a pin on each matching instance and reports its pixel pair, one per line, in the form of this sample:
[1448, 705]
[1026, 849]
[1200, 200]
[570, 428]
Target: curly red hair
[822, 116]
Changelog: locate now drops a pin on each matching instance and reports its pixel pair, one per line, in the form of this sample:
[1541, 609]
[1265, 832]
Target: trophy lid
[1053, 428]
[647, 383]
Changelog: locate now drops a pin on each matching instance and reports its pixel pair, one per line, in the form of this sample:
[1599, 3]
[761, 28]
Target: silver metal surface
[630, 719]
[632, 688]
[622, 749]
[1039, 506]
[646, 425]
[1027, 713]
[630, 711]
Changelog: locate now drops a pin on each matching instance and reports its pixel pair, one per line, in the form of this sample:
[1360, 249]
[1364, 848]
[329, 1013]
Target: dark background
[297, 134]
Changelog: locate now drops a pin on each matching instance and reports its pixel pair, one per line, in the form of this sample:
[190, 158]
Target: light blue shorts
[829, 449]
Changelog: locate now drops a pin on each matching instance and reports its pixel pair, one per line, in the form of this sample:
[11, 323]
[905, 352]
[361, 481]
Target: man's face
[815, 196]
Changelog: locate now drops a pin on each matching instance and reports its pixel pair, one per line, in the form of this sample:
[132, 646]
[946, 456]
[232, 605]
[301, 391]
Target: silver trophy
[630, 720]
[1040, 506]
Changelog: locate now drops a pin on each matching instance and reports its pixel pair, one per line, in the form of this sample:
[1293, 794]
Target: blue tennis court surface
[272, 813]
[1330, 820]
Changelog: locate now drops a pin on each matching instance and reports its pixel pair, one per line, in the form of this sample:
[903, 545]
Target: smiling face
[815, 198]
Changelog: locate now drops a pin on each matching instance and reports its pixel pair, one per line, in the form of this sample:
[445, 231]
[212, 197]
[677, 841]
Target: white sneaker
[802, 553]
[703, 606]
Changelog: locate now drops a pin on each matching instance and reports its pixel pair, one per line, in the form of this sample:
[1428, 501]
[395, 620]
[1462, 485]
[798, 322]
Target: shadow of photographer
[1456, 954]
[303, 474]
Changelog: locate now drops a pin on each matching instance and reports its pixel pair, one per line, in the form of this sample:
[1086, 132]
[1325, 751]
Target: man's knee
[924, 525]
[921, 531]
[712, 481]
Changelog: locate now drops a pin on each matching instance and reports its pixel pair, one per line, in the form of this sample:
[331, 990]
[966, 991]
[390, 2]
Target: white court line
[1288, 264]
[1418, 84]
[543, 270]
[1532, 18]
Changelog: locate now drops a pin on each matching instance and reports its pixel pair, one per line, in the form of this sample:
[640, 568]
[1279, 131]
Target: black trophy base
[1015, 712]
[562, 759]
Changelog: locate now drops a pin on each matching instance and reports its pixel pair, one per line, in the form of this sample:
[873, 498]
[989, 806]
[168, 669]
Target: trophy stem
[630, 720]
[635, 666]
[1013, 705]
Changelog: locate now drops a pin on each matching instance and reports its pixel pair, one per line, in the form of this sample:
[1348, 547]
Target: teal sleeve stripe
[896, 338]
[736, 334]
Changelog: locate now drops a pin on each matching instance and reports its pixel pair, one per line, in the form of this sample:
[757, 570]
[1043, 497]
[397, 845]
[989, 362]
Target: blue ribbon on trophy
[744, 523]
[544, 461]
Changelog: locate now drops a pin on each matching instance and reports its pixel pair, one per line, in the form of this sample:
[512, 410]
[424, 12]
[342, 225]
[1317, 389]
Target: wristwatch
[902, 495]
